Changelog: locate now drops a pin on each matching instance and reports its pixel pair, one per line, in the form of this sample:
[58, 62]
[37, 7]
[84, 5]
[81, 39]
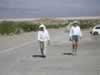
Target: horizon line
[56, 18]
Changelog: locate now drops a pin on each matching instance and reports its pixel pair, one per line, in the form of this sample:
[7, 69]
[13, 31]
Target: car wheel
[90, 32]
[95, 33]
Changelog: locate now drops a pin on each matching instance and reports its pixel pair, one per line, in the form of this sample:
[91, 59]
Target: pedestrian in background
[75, 35]
[43, 38]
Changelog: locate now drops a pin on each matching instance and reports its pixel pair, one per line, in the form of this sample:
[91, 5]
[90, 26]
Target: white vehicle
[95, 30]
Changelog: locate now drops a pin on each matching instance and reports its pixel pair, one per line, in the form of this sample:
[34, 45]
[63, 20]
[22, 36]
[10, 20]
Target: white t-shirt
[75, 31]
[43, 35]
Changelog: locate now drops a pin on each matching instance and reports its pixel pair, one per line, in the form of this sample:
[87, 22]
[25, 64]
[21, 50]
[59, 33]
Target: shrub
[56, 26]
[27, 26]
[7, 27]
[84, 24]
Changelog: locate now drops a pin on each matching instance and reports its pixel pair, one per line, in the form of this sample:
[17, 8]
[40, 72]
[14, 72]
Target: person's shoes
[44, 56]
[74, 54]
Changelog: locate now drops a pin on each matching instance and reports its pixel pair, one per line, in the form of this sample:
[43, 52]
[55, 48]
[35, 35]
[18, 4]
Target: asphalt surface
[16, 55]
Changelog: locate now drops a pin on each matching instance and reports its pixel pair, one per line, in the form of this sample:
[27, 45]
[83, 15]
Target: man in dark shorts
[75, 34]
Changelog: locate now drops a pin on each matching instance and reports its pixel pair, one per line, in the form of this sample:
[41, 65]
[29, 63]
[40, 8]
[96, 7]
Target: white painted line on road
[16, 47]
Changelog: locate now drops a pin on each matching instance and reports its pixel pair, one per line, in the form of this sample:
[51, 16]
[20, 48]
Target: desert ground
[17, 51]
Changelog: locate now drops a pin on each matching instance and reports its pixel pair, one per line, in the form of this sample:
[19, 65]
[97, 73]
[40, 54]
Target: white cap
[42, 25]
[75, 22]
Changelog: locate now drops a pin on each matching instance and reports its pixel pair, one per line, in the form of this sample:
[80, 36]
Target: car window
[97, 28]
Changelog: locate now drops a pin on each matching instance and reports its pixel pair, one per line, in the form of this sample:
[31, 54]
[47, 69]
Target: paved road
[16, 55]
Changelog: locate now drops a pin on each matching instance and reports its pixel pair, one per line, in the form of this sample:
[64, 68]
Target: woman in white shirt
[75, 34]
[43, 38]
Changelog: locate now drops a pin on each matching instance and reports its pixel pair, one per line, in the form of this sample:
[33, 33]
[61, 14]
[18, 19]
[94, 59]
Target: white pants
[43, 47]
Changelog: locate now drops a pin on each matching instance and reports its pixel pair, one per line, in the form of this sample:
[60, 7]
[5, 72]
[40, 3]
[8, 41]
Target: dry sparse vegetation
[15, 27]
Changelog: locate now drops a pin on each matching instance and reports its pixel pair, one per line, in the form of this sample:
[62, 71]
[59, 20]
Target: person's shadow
[67, 54]
[37, 56]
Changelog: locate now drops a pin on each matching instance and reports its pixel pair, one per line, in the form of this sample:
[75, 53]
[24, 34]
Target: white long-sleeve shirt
[75, 31]
[43, 35]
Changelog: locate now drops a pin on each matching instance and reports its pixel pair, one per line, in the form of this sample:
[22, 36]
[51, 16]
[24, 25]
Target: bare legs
[74, 47]
[43, 48]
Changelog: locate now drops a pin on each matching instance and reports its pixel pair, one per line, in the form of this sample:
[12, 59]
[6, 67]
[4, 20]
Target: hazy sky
[49, 8]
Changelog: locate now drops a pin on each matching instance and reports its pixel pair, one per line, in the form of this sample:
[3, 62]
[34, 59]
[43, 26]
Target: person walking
[75, 34]
[43, 38]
